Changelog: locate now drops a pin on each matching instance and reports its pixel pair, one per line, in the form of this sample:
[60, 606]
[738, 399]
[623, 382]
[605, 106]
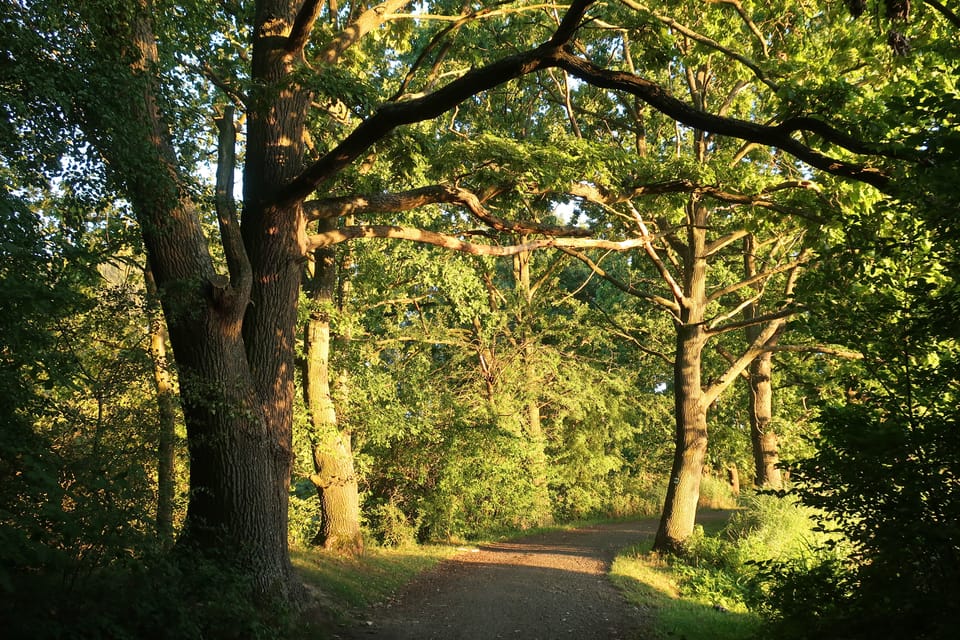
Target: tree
[136, 77]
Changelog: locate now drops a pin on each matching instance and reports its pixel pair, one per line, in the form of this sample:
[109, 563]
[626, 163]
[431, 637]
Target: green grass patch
[346, 586]
[654, 586]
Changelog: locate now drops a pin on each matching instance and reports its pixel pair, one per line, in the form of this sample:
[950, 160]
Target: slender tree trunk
[763, 438]
[334, 475]
[537, 441]
[166, 414]
[690, 436]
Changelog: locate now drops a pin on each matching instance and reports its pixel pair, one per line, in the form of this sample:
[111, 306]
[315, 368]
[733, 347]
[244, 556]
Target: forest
[292, 274]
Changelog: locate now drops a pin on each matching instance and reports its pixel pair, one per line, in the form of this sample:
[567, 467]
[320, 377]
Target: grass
[344, 587]
[652, 585]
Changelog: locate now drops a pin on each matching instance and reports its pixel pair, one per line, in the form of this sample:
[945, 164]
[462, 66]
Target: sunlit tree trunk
[690, 436]
[334, 475]
[763, 438]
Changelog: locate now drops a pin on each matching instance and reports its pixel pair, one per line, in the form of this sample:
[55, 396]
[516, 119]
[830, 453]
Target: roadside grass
[342, 588]
[652, 585]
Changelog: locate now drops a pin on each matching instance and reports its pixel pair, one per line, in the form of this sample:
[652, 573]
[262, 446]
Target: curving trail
[545, 587]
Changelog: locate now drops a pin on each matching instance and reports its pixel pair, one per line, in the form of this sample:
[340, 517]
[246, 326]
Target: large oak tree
[136, 73]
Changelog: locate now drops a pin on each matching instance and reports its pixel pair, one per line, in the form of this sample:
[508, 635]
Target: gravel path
[551, 586]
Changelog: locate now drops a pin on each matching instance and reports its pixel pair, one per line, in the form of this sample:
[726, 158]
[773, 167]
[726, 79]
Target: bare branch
[719, 244]
[365, 23]
[302, 26]
[238, 264]
[756, 348]
[651, 252]
[434, 194]
[456, 244]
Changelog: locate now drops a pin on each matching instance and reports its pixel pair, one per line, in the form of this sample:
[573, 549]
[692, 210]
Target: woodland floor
[549, 586]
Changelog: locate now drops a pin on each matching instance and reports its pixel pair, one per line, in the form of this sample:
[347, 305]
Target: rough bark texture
[334, 475]
[238, 423]
[683, 490]
[763, 438]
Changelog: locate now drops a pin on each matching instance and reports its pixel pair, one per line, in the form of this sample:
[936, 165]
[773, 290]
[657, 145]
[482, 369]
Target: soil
[550, 586]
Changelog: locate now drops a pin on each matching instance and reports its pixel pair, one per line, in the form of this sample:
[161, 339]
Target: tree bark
[237, 415]
[690, 436]
[763, 438]
[690, 440]
[334, 477]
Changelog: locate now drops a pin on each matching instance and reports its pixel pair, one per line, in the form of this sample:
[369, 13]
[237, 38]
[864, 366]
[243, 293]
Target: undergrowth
[719, 588]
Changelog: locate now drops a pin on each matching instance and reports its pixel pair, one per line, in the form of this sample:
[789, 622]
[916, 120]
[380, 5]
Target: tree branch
[623, 333]
[817, 348]
[786, 312]
[238, 264]
[454, 243]
[945, 12]
[748, 21]
[757, 347]
[551, 54]
[710, 42]
[716, 295]
[302, 26]
[434, 194]
[629, 289]
[365, 23]
[779, 136]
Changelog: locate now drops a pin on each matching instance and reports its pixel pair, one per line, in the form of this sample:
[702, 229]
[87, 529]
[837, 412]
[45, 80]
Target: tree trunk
[334, 475]
[733, 477]
[235, 376]
[166, 414]
[690, 437]
[764, 439]
[537, 441]
[762, 436]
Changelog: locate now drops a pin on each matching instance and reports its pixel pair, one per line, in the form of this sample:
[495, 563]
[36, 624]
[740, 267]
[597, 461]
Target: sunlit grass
[342, 588]
[650, 584]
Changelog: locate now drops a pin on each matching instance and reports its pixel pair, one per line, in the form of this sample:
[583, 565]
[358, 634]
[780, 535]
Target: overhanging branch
[454, 243]
[394, 202]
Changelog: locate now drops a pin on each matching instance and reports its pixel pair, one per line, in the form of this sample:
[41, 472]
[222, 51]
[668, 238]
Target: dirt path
[545, 587]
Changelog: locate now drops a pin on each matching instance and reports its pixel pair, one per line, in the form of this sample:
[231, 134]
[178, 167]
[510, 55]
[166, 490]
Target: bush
[725, 569]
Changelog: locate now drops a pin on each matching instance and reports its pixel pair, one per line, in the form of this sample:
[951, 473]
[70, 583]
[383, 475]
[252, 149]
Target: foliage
[886, 466]
[350, 585]
[651, 584]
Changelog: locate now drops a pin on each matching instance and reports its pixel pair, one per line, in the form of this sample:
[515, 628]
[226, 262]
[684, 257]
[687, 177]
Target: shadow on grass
[648, 583]
[341, 588]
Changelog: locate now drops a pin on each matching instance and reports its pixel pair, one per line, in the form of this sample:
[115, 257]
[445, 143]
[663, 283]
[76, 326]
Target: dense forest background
[287, 274]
